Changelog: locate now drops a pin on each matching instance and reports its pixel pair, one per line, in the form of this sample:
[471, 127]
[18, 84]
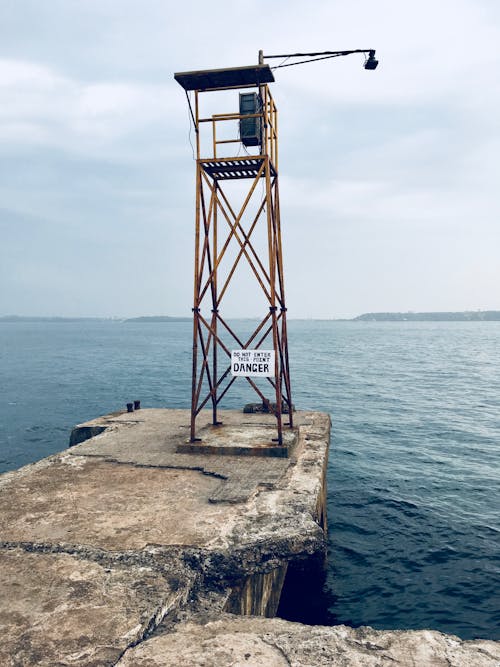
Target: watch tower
[237, 225]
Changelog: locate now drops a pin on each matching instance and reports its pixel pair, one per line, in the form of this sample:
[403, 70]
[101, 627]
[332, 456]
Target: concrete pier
[103, 541]
[128, 550]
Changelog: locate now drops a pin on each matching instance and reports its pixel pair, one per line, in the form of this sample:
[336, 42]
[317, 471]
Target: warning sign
[252, 363]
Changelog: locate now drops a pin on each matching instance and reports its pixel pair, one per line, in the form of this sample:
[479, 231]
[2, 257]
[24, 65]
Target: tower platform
[223, 169]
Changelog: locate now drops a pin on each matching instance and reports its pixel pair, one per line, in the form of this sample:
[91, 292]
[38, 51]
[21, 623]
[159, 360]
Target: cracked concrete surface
[237, 641]
[100, 542]
[122, 551]
[61, 609]
[160, 438]
[79, 500]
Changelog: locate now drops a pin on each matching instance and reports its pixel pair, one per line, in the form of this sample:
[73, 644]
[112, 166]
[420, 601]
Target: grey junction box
[250, 128]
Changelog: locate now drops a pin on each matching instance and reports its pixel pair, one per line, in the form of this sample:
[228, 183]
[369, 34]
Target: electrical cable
[284, 61]
[191, 118]
[311, 60]
[190, 108]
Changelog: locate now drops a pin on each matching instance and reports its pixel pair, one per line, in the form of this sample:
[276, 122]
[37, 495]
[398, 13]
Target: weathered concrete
[66, 609]
[123, 551]
[141, 530]
[232, 641]
[239, 440]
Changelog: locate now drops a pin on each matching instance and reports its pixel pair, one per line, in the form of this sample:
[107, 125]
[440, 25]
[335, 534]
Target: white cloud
[38, 105]
[378, 169]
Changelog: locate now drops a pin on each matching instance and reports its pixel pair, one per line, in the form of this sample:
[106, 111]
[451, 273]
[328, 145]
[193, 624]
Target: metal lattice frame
[220, 228]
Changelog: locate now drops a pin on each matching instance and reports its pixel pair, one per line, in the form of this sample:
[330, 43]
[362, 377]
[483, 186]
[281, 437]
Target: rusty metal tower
[226, 237]
[228, 234]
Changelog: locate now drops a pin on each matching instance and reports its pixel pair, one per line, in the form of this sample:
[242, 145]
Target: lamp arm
[322, 53]
[370, 61]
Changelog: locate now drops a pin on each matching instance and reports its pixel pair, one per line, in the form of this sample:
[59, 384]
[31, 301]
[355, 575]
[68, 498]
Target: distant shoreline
[159, 318]
[445, 316]
[464, 316]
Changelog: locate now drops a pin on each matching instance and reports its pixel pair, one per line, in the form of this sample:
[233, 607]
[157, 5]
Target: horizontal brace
[231, 116]
[246, 85]
[228, 141]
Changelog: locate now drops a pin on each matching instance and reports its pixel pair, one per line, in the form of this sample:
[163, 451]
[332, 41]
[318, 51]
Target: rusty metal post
[215, 309]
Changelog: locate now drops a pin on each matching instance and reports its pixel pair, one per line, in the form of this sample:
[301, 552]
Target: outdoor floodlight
[371, 62]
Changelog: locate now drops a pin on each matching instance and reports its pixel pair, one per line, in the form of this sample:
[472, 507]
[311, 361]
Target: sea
[413, 476]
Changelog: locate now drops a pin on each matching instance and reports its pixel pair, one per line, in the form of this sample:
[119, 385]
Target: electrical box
[250, 128]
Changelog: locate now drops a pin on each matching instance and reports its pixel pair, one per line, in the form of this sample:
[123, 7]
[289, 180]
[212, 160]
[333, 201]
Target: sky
[389, 179]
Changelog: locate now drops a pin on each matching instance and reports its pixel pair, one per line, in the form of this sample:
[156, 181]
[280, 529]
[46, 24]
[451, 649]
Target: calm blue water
[413, 477]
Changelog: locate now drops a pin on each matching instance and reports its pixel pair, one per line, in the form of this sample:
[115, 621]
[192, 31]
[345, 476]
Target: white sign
[252, 363]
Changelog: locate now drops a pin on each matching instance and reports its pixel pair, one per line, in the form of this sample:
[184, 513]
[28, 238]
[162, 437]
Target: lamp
[371, 62]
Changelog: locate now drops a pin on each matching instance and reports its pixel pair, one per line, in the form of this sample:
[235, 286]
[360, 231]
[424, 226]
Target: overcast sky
[389, 180]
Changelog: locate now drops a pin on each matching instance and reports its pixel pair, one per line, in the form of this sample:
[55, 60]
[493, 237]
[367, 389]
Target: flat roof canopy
[234, 77]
